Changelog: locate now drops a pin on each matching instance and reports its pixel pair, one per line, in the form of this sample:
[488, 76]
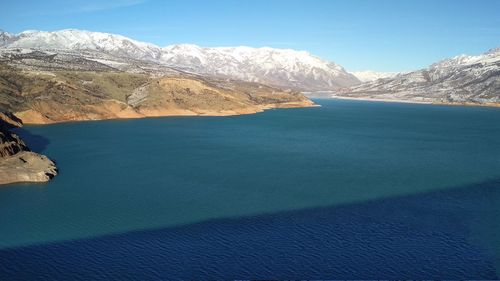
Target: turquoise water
[437, 167]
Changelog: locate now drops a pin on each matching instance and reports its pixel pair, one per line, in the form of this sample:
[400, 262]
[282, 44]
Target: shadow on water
[36, 143]
[450, 234]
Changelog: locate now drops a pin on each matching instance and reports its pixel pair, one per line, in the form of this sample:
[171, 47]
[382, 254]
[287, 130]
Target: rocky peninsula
[17, 162]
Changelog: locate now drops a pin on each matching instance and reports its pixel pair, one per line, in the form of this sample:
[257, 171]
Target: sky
[380, 35]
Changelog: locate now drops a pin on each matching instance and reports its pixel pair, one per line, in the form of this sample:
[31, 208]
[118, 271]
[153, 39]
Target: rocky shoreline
[35, 118]
[26, 166]
[333, 95]
[17, 162]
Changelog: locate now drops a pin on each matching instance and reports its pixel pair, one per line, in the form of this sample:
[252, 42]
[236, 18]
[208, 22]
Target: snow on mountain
[279, 67]
[369, 75]
[6, 38]
[474, 79]
[463, 60]
[70, 39]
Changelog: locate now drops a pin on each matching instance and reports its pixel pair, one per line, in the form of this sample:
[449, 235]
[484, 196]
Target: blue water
[348, 190]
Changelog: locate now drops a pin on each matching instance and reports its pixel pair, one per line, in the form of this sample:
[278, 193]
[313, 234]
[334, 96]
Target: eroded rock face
[17, 163]
[9, 120]
[10, 144]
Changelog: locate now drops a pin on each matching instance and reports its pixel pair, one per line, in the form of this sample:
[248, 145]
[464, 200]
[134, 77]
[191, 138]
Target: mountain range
[285, 68]
[462, 79]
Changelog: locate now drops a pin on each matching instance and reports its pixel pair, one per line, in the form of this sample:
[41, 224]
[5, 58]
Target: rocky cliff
[17, 163]
[10, 143]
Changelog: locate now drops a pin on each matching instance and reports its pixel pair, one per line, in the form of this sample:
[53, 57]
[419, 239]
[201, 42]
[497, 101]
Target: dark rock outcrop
[10, 143]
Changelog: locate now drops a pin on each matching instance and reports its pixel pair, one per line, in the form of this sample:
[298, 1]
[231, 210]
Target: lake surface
[351, 189]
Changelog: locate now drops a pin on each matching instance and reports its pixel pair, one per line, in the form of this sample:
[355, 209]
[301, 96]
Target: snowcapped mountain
[369, 75]
[461, 79]
[70, 39]
[6, 38]
[278, 67]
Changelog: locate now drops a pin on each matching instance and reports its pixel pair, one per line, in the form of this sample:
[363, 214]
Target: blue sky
[383, 35]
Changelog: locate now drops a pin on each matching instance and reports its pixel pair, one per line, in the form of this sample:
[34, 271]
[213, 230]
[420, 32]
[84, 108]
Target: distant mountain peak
[460, 79]
[6, 38]
[493, 51]
[370, 75]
